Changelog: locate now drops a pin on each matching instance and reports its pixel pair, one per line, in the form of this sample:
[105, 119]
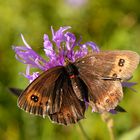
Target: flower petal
[24, 41]
[93, 46]
[84, 48]
[129, 85]
[70, 43]
[48, 48]
[29, 76]
[27, 56]
[113, 111]
[58, 36]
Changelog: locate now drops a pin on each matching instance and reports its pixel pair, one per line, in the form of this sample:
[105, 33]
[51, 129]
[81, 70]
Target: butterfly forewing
[37, 97]
[108, 64]
[103, 73]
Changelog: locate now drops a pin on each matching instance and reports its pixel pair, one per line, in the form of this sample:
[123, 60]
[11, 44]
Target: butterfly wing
[109, 64]
[103, 72]
[52, 94]
[43, 95]
[72, 109]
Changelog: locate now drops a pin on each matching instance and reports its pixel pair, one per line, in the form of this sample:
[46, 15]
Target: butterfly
[61, 91]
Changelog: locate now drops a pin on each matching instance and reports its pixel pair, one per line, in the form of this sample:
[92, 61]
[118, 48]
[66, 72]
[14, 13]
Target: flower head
[65, 43]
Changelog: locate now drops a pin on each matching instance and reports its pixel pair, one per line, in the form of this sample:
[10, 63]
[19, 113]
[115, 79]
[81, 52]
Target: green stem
[83, 131]
[110, 123]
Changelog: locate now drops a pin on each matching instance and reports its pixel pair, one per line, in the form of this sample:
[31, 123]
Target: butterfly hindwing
[72, 109]
[103, 73]
[104, 95]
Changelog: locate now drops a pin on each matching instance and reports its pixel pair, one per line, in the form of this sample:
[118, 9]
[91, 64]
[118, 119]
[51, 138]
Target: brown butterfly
[61, 92]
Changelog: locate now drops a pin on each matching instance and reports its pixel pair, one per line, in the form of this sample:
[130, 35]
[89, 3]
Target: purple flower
[129, 85]
[76, 3]
[63, 44]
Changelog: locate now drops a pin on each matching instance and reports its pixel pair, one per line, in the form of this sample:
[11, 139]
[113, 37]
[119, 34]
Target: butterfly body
[61, 92]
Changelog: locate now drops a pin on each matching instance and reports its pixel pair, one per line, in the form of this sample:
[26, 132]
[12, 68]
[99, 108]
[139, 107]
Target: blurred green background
[110, 24]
